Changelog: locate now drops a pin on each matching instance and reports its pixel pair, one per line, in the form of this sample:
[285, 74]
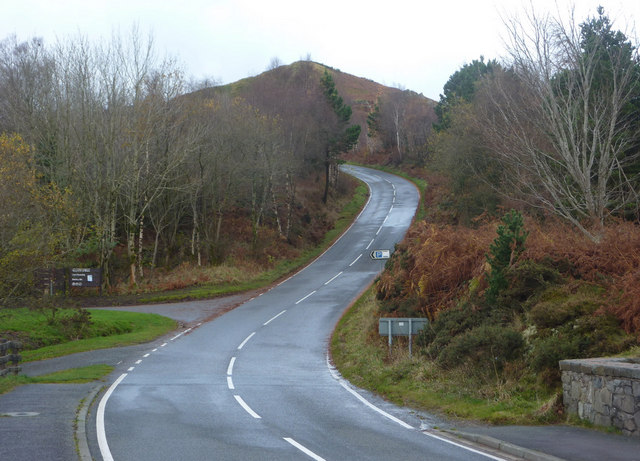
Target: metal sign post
[401, 327]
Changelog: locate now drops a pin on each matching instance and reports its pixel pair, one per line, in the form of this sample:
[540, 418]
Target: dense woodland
[110, 158]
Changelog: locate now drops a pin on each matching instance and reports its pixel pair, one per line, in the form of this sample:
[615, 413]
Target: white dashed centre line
[246, 340]
[230, 383]
[355, 260]
[273, 318]
[230, 367]
[304, 449]
[370, 243]
[246, 407]
[334, 277]
[300, 300]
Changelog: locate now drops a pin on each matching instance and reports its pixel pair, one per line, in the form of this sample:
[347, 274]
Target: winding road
[256, 383]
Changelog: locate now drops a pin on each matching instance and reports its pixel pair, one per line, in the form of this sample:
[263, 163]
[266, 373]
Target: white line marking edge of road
[101, 433]
[344, 383]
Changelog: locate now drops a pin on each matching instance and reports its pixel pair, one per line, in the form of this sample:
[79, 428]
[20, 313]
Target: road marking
[246, 407]
[338, 378]
[342, 382]
[390, 209]
[163, 344]
[246, 340]
[379, 229]
[131, 368]
[154, 350]
[230, 383]
[300, 300]
[473, 450]
[355, 260]
[273, 318]
[303, 449]
[334, 277]
[370, 243]
[230, 367]
[385, 219]
[146, 355]
[102, 435]
[138, 362]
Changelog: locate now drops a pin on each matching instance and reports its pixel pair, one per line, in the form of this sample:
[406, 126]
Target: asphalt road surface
[256, 382]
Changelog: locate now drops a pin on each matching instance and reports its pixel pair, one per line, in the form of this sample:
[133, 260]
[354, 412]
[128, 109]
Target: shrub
[504, 252]
[450, 323]
[491, 345]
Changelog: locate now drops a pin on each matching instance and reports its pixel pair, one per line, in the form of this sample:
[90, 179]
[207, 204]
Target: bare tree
[559, 119]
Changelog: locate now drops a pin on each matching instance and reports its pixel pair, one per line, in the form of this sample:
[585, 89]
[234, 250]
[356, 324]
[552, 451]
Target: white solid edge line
[487, 455]
[246, 340]
[300, 300]
[355, 260]
[303, 449]
[333, 278]
[246, 407]
[273, 318]
[342, 382]
[101, 433]
[230, 367]
[230, 383]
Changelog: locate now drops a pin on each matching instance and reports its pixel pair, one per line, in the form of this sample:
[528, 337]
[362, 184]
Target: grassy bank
[71, 376]
[363, 357]
[44, 336]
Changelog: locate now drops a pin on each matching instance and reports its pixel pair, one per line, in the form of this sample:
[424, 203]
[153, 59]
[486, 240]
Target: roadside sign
[85, 277]
[380, 254]
[391, 327]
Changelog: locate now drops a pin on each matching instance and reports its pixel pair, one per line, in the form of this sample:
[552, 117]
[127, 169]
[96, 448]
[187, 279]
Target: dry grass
[435, 263]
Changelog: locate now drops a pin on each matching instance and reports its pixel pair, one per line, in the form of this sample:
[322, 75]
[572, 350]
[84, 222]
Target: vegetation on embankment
[507, 300]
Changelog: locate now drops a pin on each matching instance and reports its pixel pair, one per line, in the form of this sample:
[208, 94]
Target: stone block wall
[604, 391]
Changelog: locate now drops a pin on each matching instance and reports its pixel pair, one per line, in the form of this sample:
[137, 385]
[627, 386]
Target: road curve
[256, 383]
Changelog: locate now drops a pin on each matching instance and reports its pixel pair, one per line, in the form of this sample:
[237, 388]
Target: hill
[400, 112]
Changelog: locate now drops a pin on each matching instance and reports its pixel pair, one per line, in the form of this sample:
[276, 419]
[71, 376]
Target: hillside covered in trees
[109, 158]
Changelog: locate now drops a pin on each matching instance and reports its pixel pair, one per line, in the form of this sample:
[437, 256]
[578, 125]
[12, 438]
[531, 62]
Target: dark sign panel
[83, 277]
[51, 280]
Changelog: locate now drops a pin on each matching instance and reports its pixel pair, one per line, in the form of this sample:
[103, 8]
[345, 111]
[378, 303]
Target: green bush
[492, 345]
[504, 252]
[450, 323]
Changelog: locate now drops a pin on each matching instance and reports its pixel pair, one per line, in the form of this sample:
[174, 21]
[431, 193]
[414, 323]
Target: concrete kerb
[506, 447]
[81, 424]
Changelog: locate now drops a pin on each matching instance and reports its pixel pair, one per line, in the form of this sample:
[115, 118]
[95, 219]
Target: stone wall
[603, 391]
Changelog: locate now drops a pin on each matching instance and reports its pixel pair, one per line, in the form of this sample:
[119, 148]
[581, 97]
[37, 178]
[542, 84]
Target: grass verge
[45, 339]
[72, 375]
[363, 358]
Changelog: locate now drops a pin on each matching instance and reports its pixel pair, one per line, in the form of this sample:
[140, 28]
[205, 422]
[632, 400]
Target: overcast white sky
[415, 44]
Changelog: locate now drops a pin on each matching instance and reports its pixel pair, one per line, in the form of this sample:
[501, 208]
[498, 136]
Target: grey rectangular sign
[401, 326]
